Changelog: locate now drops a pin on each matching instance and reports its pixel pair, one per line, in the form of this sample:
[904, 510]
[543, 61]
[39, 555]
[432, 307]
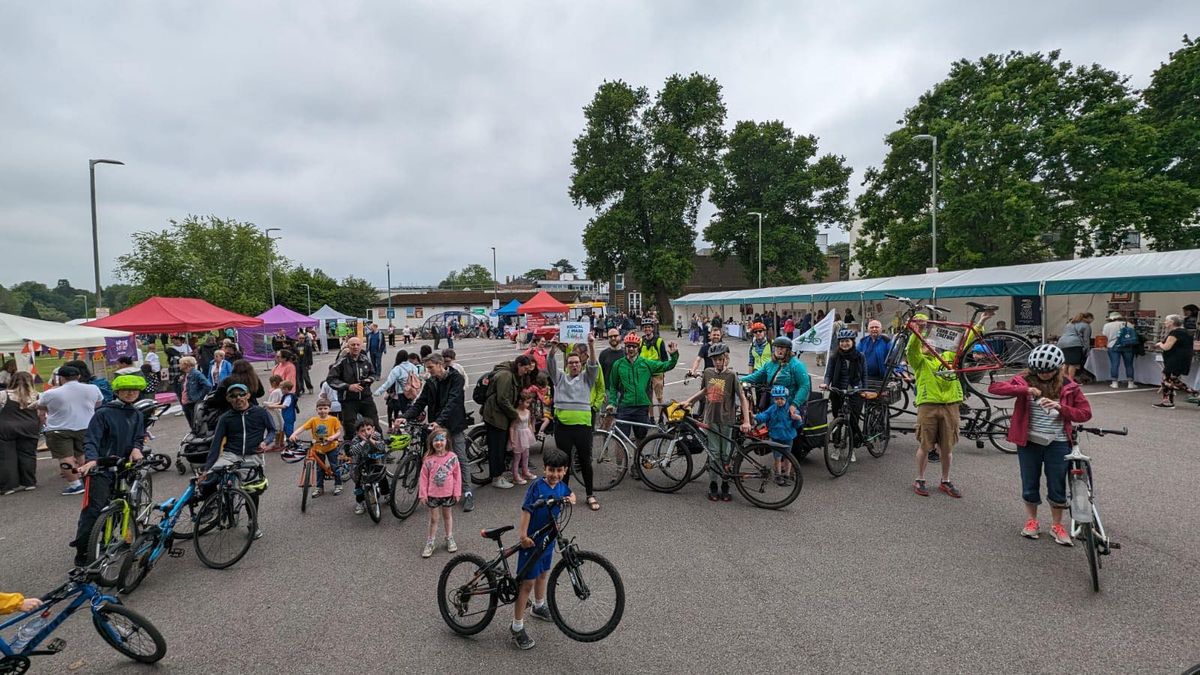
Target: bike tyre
[135, 565]
[744, 455]
[251, 525]
[552, 597]
[97, 544]
[1015, 358]
[371, 497]
[897, 408]
[997, 431]
[477, 455]
[610, 458]
[405, 483]
[843, 446]
[443, 606]
[874, 415]
[653, 477]
[141, 499]
[1093, 553]
[305, 484]
[103, 625]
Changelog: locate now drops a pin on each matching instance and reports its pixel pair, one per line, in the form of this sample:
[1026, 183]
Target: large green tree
[643, 167]
[354, 296]
[1173, 109]
[473, 276]
[770, 170]
[1037, 159]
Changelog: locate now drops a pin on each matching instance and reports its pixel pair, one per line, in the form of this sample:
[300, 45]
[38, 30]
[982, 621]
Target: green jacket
[500, 408]
[931, 386]
[630, 381]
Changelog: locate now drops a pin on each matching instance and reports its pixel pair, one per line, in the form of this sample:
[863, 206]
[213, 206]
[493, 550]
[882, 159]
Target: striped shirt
[1043, 426]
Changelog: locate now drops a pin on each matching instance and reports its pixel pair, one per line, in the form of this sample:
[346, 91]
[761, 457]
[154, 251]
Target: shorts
[1073, 355]
[656, 382]
[540, 566]
[937, 426]
[66, 444]
[435, 502]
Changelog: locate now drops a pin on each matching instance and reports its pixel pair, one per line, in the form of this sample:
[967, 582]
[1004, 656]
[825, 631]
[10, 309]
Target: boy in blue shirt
[550, 485]
[781, 420]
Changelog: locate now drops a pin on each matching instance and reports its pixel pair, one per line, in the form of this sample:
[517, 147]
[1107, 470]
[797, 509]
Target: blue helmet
[779, 391]
[846, 334]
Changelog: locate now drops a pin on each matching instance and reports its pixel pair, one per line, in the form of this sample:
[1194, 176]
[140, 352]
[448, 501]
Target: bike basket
[944, 337]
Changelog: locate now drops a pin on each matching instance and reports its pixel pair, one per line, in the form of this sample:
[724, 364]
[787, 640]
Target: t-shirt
[322, 429]
[274, 398]
[720, 396]
[1178, 360]
[70, 407]
[539, 517]
[703, 354]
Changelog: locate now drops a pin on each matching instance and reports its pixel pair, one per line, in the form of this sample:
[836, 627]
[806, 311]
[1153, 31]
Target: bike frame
[1079, 477]
[501, 562]
[739, 447]
[166, 527]
[84, 593]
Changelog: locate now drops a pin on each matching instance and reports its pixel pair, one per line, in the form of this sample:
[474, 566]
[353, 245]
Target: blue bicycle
[123, 629]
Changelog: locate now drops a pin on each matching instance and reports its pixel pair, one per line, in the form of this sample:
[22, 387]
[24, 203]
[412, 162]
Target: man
[500, 411]
[280, 341]
[206, 351]
[654, 349]
[451, 329]
[629, 388]
[240, 436]
[174, 374]
[376, 346]
[304, 361]
[760, 349]
[391, 334]
[125, 366]
[443, 397]
[351, 376]
[69, 408]
[437, 336]
[874, 346]
[611, 353]
[703, 360]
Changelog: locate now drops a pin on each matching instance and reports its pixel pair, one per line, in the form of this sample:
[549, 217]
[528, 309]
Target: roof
[179, 315]
[327, 313]
[466, 298]
[282, 317]
[542, 303]
[509, 309]
[15, 330]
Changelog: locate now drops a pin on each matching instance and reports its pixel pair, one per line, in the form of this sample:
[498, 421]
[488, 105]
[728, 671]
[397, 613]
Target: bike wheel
[129, 633]
[755, 478]
[839, 444]
[878, 428]
[997, 431]
[371, 497]
[141, 499]
[1012, 351]
[477, 455]
[184, 527]
[305, 484]
[1091, 546]
[588, 601]
[136, 565]
[225, 526]
[467, 594]
[664, 462]
[403, 499]
[110, 530]
[610, 461]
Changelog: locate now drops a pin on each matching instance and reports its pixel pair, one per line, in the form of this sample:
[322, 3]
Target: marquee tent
[509, 309]
[174, 315]
[325, 315]
[542, 303]
[256, 342]
[15, 330]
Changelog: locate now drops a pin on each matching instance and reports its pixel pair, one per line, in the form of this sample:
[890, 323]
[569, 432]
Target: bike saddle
[495, 533]
[982, 307]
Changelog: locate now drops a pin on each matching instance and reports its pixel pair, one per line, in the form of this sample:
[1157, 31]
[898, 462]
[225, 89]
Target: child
[1046, 404]
[782, 420]
[521, 438]
[722, 392]
[550, 485]
[366, 441]
[15, 602]
[274, 405]
[289, 406]
[326, 431]
[543, 408]
[439, 489]
[151, 379]
[847, 370]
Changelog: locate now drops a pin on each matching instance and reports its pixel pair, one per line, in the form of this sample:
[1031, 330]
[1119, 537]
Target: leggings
[497, 441]
[576, 441]
[1171, 383]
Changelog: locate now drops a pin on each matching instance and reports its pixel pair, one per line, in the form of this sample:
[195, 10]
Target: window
[619, 282]
[1133, 240]
[635, 302]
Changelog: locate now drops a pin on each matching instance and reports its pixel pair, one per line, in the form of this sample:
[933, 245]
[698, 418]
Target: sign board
[343, 330]
[391, 312]
[573, 332]
[495, 304]
[120, 346]
[103, 312]
[534, 321]
[1027, 311]
[481, 311]
[944, 338]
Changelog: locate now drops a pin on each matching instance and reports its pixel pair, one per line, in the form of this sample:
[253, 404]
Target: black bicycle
[867, 425]
[404, 497]
[586, 596]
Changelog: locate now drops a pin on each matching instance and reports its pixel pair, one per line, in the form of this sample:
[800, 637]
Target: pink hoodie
[441, 476]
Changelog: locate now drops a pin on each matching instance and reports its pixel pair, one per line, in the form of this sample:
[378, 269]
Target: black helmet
[781, 342]
[718, 349]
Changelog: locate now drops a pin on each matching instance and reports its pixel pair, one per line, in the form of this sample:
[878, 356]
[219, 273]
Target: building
[412, 309]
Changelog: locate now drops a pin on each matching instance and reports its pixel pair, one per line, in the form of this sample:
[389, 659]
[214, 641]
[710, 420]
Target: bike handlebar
[1101, 431]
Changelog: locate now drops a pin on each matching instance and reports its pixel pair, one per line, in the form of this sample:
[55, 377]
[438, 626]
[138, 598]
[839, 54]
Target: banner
[818, 338]
[120, 346]
[573, 332]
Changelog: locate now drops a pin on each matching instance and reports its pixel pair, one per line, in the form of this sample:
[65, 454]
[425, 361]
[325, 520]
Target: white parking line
[1121, 391]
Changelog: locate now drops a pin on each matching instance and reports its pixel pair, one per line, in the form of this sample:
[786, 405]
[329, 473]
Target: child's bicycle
[300, 450]
[370, 469]
[585, 593]
[1081, 493]
[403, 498]
[123, 629]
[129, 507]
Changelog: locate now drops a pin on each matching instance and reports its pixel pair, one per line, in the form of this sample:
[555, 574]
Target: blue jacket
[115, 430]
[224, 372]
[197, 386]
[376, 343]
[104, 386]
[875, 351]
[780, 425]
[794, 376]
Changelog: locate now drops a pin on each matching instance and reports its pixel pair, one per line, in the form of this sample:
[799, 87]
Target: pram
[193, 449]
[152, 410]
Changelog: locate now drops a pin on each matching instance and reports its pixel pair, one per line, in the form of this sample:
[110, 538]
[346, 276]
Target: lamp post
[83, 296]
[270, 256]
[389, 280]
[933, 195]
[308, 295]
[495, 286]
[95, 237]
[760, 217]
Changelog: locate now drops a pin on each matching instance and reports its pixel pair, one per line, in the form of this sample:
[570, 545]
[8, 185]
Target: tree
[29, 310]
[322, 289]
[643, 168]
[536, 274]
[563, 265]
[472, 276]
[1037, 159]
[1172, 108]
[353, 296]
[769, 169]
[842, 250]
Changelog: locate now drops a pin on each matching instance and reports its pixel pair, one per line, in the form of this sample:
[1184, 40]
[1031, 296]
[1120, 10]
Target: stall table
[1147, 369]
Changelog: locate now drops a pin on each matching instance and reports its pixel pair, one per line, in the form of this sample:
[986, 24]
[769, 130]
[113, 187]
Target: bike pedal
[52, 647]
[1113, 544]
[979, 445]
[175, 552]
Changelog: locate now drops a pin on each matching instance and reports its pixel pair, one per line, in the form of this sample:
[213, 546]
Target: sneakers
[1114, 385]
[520, 481]
[258, 534]
[337, 490]
[853, 459]
[428, 550]
[451, 545]
[919, 487]
[360, 509]
[540, 611]
[5, 493]
[1162, 404]
[317, 492]
[780, 480]
[505, 484]
[75, 488]
[1131, 385]
[520, 638]
[29, 488]
[1060, 535]
[934, 457]
[725, 496]
[468, 502]
[1030, 531]
[712, 492]
[948, 487]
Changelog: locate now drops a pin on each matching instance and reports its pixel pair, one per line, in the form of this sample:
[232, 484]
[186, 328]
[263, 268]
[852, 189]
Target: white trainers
[359, 509]
[502, 483]
[451, 545]
[428, 550]
[337, 490]
[1114, 385]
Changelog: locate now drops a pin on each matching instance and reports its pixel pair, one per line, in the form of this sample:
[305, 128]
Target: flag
[818, 338]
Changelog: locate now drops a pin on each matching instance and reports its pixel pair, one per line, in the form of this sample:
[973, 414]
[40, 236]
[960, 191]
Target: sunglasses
[237, 394]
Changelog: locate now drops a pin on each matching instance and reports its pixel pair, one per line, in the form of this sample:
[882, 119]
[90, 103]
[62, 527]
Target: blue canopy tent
[510, 309]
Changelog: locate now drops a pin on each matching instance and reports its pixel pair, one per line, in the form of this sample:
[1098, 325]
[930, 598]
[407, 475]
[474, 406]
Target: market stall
[256, 342]
[325, 316]
[174, 315]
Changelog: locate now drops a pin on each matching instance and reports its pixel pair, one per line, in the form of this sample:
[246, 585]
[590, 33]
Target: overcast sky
[426, 132]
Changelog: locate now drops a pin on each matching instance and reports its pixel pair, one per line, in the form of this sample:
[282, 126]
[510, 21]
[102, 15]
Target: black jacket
[115, 430]
[445, 401]
[348, 370]
[846, 370]
[240, 433]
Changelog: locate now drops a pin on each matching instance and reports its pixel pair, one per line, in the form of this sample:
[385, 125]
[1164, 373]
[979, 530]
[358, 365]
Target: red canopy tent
[174, 315]
[542, 303]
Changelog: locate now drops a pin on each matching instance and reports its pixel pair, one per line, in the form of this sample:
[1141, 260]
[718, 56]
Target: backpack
[1127, 337]
[483, 385]
[412, 387]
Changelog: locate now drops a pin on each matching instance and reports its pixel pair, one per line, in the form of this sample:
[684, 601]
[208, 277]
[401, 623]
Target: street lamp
[308, 294]
[495, 287]
[760, 217]
[933, 196]
[95, 237]
[389, 280]
[83, 296]
[270, 255]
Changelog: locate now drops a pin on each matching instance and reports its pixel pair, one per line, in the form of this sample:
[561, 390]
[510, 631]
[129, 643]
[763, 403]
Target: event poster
[117, 347]
[573, 332]
[1027, 311]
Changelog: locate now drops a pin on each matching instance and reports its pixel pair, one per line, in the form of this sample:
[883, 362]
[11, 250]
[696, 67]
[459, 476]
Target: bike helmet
[1046, 358]
[779, 391]
[846, 334]
[781, 342]
[757, 326]
[632, 339]
[647, 321]
[399, 441]
[718, 349]
[128, 383]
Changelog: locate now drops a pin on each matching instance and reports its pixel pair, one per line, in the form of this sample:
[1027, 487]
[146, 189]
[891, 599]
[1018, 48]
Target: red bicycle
[964, 351]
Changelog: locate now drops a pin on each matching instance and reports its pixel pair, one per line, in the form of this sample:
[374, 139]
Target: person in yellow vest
[654, 349]
[760, 349]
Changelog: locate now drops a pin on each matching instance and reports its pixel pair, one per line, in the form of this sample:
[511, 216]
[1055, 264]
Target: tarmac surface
[857, 575]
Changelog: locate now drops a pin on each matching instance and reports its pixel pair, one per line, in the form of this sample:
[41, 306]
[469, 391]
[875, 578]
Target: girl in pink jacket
[440, 488]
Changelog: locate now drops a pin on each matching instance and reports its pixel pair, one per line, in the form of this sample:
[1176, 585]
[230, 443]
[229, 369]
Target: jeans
[1115, 357]
[331, 458]
[719, 448]
[458, 442]
[640, 415]
[1032, 459]
[497, 441]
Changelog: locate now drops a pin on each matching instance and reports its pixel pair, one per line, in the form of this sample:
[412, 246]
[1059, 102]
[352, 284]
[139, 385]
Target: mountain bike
[1081, 495]
[129, 506]
[404, 496]
[870, 427]
[585, 593]
[123, 629]
[301, 451]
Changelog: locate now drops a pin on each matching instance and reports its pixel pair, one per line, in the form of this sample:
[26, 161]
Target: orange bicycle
[300, 450]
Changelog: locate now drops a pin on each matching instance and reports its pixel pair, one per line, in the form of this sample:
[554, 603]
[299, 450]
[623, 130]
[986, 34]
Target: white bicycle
[1081, 494]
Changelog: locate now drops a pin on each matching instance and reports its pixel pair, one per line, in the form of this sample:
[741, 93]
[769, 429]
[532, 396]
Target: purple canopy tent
[256, 342]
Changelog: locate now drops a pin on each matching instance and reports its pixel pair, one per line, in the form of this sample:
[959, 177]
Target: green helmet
[128, 382]
[399, 441]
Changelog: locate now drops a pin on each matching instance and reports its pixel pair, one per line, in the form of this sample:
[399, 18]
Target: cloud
[425, 133]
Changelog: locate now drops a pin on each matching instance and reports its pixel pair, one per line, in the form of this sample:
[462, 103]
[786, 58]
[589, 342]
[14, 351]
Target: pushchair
[193, 449]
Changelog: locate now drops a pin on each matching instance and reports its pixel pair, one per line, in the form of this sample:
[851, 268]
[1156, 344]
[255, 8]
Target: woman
[1118, 332]
[1075, 341]
[6, 373]
[241, 373]
[195, 387]
[1176, 359]
[20, 423]
[1046, 405]
[573, 410]
[1189, 318]
[285, 366]
[220, 368]
[393, 386]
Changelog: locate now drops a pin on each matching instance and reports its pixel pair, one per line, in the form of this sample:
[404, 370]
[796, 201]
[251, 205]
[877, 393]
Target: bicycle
[129, 506]
[978, 358]
[612, 450]
[404, 495]
[977, 424]
[123, 629]
[469, 605]
[665, 460]
[370, 469]
[301, 451]
[870, 427]
[1081, 495]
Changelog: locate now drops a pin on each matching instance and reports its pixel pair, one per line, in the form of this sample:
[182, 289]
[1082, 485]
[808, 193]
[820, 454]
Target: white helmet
[1046, 358]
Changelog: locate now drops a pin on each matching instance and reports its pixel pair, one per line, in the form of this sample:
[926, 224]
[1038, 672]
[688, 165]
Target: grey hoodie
[572, 393]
